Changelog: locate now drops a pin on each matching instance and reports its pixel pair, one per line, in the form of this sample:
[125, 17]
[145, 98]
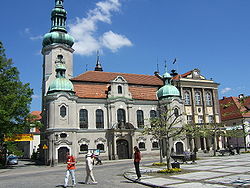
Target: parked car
[12, 160]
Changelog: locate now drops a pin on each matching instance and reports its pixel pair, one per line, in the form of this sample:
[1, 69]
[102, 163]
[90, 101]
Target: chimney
[173, 73]
[241, 96]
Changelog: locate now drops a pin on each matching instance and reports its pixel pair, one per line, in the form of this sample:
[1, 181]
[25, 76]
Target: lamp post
[244, 125]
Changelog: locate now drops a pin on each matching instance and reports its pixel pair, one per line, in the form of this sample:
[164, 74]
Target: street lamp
[244, 125]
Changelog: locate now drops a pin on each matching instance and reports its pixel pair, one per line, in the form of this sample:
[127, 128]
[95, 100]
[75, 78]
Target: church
[105, 112]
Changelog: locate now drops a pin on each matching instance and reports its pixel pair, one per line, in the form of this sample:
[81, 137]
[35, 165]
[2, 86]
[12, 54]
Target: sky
[133, 36]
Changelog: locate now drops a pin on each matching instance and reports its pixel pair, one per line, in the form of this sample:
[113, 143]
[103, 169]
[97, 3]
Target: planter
[175, 165]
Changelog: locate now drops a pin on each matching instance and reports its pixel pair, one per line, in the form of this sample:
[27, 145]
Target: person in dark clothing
[98, 160]
[137, 159]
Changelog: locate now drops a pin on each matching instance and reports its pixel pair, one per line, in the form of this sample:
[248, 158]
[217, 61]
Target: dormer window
[119, 89]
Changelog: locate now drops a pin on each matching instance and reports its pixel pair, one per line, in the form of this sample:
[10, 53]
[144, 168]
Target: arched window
[187, 98]
[176, 112]
[119, 89]
[155, 145]
[100, 147]
[141, 145]
[197, 98]
[84, 148]
[208, 99]
[63, 111]
[121, 116]
[140, 119]
[99, 119]
[83, 118]
[152, 115]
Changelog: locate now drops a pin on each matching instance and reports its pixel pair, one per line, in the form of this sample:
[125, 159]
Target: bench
[224, 151]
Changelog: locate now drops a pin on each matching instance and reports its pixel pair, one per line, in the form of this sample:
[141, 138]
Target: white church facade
[108, 111]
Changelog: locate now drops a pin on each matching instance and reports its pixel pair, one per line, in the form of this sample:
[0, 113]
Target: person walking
[98, 160]
[71, 166]
[137, 159]
[89, 168]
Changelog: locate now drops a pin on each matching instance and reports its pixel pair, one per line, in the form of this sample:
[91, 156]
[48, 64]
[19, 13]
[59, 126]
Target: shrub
[171, 170]
[159, 164]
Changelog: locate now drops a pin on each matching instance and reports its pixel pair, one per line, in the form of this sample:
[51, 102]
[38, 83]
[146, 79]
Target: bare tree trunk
[190, 144]
[160, 144]
[168, 153]
[215, 144]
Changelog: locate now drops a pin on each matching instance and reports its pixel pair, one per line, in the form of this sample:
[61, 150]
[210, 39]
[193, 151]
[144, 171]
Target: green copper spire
[60, 83]
[58, 33]
[58, 17]
[168, 90]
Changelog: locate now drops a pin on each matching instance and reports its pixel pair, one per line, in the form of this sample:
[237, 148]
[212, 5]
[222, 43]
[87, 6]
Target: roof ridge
[102, 72]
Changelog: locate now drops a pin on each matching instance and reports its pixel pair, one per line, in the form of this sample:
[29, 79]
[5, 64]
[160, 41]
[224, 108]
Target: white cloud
[114, 41]
[225, 90]
[36, 96]
[27, 30]
[36, 37]
[27, 33]
[84, 30]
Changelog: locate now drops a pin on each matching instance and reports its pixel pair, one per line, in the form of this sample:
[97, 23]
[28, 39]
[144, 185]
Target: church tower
[56, 42]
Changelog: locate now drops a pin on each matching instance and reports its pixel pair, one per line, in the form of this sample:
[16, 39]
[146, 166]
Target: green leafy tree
[214, 130]
[237, 133]
[15, 99]
[165, 127]
[192, 131]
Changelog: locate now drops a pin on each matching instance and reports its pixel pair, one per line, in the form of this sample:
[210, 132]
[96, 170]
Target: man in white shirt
[89, 168]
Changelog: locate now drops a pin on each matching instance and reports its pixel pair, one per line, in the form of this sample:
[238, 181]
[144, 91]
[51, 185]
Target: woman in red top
[137, 159]
[71, 166]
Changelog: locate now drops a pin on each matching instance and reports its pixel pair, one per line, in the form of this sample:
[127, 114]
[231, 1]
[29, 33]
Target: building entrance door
[122, 149]
[62, 151]
[179, 148]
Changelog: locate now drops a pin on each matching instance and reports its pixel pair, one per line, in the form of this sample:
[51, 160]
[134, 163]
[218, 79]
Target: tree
[165, 127]
[193, 131]
[214, 130]
[15, 99]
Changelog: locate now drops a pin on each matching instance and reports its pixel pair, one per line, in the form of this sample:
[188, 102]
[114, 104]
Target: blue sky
[133, 35]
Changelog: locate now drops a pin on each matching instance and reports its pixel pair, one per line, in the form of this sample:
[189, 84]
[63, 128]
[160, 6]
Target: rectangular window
[210, 119]
[189, 119]
[200, 119]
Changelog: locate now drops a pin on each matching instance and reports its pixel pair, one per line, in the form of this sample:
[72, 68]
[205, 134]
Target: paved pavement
[220, 171]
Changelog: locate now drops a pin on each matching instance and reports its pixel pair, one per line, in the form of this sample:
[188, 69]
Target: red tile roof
[94, 84]
[143, 93]
[106, 77]
[37, 114]
[177, 77]
[88, 90]
[100, 91]
[231, 108]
